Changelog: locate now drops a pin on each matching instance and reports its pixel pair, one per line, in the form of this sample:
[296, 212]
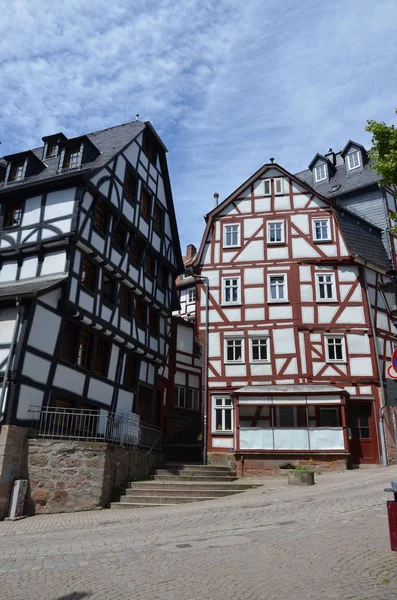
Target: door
[362, 434]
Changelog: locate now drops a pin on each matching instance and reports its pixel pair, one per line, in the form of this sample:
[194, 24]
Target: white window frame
[231, 302]
[335, 360]
[276, 222]
[321, 239]
[348, 164]
[235, 339]
[178, 394]
[225, 228]
[190, 291]
[267, 183]
[259, 339]
[317, 176]
[269, 296]
[223, 407]
[280, 181]
[333, 284]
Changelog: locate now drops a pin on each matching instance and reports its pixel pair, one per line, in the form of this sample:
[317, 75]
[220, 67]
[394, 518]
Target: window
[321, 230]
[275, 232]
[13, 215]
[108, 289]
[17, 171]
[130, 186]
[320, 173]
[191, 295]
[278, 187]
[101, 356]
[84, 351]
[157, 218]
[149, 147]
[353, 160]
[119, 235]
[325, 286]
[150, 264]
[286, 416]
[88, 275]
[260, 349]
[145, 206]
[232, 236]
[277, 288]
[162, 277]
[179, 396]
[141, 313]
[69, 343]
[136, 253]
[100, 219]
[154, 322]
[125, 301]
[130, 371]
[329, 417]
[267, 188]
[222, 414]
[193, 398]
[234, 350]
[72, 158]
[52, 148]
[335, 346]
[231, 290]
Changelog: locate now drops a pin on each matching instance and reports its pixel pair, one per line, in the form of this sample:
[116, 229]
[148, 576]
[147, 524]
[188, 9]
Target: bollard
[392, 515]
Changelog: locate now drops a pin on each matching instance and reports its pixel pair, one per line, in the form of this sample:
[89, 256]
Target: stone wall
[13, 461]
[390, 423]
[69, 476]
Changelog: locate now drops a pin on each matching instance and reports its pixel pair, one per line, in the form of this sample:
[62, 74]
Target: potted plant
[301, 475]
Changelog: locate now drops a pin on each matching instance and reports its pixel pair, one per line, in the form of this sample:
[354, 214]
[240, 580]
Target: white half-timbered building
[295, 325]
[89, 253]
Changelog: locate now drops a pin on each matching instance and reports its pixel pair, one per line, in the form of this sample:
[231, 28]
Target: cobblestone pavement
[328, 541]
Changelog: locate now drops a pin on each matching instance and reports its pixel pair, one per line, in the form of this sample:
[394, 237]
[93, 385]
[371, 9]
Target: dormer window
[72, 158]
[52, 149]
[17, 171]
[320, 172]
[353, 160]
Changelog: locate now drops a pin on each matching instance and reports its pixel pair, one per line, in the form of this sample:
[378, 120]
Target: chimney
[190, 252]
[331, 156]
[216, 196]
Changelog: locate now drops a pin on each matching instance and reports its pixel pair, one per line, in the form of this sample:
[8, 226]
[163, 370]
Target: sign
[18, 498]
[392, 370]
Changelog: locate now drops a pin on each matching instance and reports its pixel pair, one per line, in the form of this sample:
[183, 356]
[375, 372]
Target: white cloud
[226, 84]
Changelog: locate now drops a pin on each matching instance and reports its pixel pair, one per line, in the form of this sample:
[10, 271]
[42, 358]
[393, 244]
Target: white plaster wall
[55, 262]
[35, 367]
[100, 391]
[284, 341]
[44, 332]
[31, 214]
[67, 378]
[7, 324]
[59, 204]
[28, 397]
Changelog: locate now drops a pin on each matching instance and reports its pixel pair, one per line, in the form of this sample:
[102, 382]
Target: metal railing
[124, 429]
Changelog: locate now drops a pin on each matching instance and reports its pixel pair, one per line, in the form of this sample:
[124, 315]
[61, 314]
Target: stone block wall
[13, 461]
[260, 465]
[69, 476]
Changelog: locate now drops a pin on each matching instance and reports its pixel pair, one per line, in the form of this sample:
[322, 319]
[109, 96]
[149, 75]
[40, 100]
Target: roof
[340, 180]
[288, 389]
[109, 142]
[33, 286]
[363, 238]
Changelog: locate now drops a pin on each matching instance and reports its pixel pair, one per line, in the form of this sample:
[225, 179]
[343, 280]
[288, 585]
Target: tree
[384, 155]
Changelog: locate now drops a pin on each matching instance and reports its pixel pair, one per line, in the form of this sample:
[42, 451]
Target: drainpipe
[3, 398]
[380, 370]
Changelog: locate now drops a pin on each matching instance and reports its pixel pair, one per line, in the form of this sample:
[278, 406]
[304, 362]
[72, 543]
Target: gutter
[3, 397]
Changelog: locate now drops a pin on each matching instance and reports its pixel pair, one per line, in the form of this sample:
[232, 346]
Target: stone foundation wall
[390, 424]
[70, 476]
[13, 461]
[260, 465]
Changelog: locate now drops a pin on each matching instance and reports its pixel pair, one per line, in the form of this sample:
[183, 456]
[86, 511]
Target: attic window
[320, 172]
[353, 160]
[52, 149]
[17, 171]
[72, 158]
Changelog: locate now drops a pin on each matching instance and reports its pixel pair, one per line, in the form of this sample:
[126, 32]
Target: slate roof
[363, 238]
[108, 141]
[33, 286]
[345, 181]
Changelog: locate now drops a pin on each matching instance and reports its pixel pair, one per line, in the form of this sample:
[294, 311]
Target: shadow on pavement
[75, 596]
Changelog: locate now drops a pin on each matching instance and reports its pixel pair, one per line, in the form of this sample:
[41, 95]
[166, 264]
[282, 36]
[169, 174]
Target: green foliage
[302, 468]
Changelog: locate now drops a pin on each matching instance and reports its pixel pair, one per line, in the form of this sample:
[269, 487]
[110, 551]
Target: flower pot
[301, 478]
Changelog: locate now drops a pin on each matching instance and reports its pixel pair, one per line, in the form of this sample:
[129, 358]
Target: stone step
[189, 477]
[165, 499]
[214, 493]
[124, 505]
[190, 485]
[188, 467]
[191, 473]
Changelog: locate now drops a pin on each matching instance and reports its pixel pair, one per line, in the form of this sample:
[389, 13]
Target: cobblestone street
[273, 542]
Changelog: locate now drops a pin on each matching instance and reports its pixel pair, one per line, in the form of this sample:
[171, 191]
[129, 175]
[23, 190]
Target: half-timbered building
[298, 334]
[89, 253]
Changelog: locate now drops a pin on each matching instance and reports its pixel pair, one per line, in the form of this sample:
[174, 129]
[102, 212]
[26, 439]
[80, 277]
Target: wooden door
[362, 434]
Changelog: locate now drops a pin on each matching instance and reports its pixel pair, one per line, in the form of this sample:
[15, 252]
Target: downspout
[380, 370]
[3, 398]
[205, 407]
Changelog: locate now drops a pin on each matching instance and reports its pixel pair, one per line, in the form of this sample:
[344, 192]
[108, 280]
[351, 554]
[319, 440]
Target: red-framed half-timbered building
[298, 333]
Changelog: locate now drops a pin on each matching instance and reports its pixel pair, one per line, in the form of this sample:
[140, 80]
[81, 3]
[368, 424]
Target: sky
[227, 84]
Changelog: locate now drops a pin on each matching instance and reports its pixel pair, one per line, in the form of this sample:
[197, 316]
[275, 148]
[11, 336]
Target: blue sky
[227, 84]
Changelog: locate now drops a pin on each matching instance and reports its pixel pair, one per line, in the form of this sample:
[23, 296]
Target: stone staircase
[178, 484]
